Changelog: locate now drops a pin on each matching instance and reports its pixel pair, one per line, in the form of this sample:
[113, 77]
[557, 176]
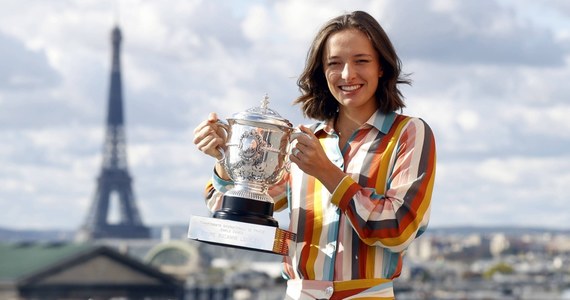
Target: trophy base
[228, 233]
[246, 210]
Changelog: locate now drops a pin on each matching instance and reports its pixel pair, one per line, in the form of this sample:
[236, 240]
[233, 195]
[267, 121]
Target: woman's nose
[347, 72]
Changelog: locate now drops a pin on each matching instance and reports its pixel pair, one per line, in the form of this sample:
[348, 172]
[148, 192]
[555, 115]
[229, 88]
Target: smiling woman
[360, 186]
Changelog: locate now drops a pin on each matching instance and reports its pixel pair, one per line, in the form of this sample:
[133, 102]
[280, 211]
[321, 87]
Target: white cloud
[473, 32]
[468, 120]
[257, 24]
[446, 6]
[23, 67]
[548, 121]
[498, 171]
[492, 191]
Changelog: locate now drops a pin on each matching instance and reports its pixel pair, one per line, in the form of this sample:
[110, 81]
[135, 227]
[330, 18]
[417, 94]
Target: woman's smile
[350, 88]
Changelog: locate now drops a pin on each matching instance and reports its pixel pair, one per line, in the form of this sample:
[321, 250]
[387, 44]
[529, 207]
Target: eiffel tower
[114, 179]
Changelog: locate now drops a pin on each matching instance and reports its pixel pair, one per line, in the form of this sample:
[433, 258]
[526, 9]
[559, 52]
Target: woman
[360, 188]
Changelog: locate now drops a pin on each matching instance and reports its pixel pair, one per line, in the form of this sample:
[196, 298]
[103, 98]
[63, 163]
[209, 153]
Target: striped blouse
[352, 242]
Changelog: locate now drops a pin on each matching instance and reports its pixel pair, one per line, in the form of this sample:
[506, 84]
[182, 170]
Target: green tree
[501, 267]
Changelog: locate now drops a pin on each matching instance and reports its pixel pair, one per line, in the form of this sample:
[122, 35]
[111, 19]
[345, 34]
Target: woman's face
[352, 69]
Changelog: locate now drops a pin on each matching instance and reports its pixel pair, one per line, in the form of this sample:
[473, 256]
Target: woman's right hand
[209, 136]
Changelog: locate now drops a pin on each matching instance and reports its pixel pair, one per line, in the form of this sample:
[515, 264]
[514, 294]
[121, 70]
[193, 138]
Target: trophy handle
[226, 127]
[294, 135]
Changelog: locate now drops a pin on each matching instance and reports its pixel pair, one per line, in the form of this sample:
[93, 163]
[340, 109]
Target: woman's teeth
[349, 88]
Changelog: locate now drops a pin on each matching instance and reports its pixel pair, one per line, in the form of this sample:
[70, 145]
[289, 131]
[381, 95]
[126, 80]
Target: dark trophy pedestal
[246, 210]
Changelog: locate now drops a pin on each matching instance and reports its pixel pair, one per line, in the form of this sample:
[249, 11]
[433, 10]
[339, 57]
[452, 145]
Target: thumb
[307, 131]
[304, 128]
[212, 117]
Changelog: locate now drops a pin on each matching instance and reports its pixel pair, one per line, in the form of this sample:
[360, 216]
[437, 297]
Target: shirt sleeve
[215, 189]
[394, 218]
[280, 193]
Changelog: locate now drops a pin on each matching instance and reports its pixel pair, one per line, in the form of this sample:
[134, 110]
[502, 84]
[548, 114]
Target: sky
[490, 77]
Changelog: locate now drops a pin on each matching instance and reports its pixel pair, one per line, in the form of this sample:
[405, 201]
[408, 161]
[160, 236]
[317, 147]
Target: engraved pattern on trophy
[253, 163]
[251, 151]
[257, 157]
[250, 145]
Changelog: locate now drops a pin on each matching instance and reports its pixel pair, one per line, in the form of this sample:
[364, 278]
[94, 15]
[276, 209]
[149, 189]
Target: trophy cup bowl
[255, 158]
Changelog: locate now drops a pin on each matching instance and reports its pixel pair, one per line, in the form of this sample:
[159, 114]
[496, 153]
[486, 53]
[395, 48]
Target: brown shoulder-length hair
[317, 101]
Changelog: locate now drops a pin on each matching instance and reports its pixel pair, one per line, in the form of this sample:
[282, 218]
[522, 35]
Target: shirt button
[331, 248]
[329, 291]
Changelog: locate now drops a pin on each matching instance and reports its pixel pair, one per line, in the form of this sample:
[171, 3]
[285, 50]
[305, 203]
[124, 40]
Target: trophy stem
[251, 191]
[246, 210]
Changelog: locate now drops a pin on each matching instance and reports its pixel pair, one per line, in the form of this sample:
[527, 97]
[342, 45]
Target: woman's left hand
[309, 156]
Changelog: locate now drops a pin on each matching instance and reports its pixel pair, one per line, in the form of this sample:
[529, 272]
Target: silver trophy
[256, 156]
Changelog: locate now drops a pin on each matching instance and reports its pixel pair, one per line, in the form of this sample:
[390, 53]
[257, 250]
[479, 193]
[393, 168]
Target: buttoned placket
[335, 155]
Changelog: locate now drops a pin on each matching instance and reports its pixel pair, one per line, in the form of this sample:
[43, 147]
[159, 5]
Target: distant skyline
[490, 77]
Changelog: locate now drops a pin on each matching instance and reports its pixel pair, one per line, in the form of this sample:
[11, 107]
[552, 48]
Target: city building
[79, 271]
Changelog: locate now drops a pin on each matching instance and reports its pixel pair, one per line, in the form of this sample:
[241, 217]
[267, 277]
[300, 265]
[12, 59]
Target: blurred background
[490, 77]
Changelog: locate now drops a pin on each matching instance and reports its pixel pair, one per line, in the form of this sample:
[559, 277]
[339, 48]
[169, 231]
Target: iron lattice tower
[114, 177]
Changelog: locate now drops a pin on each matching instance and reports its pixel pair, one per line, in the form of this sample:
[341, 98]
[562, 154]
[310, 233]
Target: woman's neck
[347, 121]
[345, 124]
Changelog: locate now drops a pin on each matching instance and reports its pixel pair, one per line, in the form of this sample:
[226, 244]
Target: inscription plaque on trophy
[255, 157]
[240, 235]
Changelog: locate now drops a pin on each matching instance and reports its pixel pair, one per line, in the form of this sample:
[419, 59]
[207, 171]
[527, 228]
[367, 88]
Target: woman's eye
[362, 61]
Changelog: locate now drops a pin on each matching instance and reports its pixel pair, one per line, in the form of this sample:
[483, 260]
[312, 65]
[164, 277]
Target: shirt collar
[381, 121]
